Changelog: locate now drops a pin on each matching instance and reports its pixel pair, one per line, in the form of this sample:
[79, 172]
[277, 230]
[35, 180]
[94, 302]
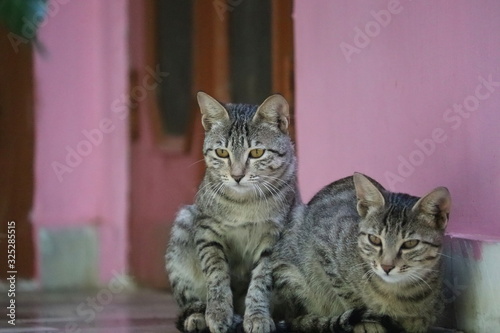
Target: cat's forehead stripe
[396, 218]
[238, 134]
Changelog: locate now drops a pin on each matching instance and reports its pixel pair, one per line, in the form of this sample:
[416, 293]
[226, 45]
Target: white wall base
[472, 285]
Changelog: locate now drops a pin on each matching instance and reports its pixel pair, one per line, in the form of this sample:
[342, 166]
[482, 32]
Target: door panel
[166, 170]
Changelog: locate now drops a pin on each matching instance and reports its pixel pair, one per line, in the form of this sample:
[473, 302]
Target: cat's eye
[222, 152]
[256, 153]
[410, 244]
[374, 240]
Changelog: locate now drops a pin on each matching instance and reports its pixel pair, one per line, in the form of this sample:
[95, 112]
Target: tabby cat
[218, 258]
[361, 251]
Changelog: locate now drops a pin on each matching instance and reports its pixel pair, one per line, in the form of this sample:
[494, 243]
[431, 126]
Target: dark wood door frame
[16, 155]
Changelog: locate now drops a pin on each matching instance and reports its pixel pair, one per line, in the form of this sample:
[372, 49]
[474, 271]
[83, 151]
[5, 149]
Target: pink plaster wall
[368, 101]
[84, 71]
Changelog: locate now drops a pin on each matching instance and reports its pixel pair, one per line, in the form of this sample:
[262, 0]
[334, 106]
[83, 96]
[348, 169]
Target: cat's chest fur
[231, 215]
[246, 228]
[393, 300]
[245, 244]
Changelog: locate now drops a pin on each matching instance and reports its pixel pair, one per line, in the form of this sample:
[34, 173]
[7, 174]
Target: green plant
[22, 17]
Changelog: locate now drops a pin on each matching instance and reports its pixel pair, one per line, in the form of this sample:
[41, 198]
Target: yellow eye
[374, 240]
[410, 244]
[222, 152]
[256, 153]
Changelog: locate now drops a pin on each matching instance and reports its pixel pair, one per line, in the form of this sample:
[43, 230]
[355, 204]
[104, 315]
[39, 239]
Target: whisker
[444, 255]
[263, 196]
[205, 188]
[215, 193]
[413, 275]
[257, 195]
[429, 269]
[270, 189]
[368, 275]
[286, 183]
[275, 191]
[359, 266]
[190, 165]
[362, 266]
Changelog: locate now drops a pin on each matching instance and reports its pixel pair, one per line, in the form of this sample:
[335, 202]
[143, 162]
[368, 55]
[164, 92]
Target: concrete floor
[95, 311]
[101, 311]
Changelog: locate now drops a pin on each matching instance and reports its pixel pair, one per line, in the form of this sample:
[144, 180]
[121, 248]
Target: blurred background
[100, 134]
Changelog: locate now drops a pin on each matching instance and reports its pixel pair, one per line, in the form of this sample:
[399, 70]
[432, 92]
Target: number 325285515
[11, 248]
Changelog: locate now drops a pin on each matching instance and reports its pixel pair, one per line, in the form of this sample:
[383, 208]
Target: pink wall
[376, 85]
[82, 74]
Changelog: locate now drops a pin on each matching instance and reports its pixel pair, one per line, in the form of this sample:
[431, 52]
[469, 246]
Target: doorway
[236, 51]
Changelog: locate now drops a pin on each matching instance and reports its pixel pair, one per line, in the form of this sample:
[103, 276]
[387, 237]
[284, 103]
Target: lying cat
[360, 254]
[218, 258]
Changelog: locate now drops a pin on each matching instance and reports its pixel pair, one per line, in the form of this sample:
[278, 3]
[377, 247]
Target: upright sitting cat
[359, 247]
[218, 258]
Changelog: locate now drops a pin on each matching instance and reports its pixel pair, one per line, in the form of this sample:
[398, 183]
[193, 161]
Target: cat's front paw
[195, 323]
[219, 319]
[258, 323]
[369, 328]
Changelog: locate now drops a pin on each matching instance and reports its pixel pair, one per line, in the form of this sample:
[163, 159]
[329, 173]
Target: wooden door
[167, 166]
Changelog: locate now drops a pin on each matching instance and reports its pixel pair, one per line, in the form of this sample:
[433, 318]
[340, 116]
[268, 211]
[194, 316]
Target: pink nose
[387, 268]
[238, 178]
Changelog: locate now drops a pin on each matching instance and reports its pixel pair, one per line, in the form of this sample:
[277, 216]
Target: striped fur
[218, 258]
[325, 266]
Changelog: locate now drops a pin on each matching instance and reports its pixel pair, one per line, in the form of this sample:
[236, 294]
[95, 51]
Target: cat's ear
[368, 195]
[212, 111]
[435, 205]
[274, 110]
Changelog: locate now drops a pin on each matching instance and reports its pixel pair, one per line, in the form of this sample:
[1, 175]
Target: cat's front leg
[219, 313]
[257, 317]
[211, 252]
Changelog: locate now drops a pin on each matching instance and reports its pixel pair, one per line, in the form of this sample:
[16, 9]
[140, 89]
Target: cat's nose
[387, 268]
[238, 178]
